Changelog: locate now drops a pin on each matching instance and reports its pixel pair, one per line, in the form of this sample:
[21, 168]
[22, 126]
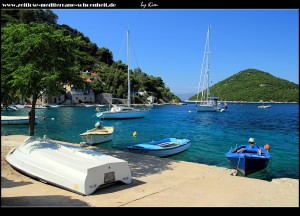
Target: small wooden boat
[73, 168]
[12, 108]
[264, 106]
[53, 106]
[247, 159]
[13, 120]
[38, 107]
[88, 105]
[99, 134]
[20, 106]
[162, 148]
[101, 105]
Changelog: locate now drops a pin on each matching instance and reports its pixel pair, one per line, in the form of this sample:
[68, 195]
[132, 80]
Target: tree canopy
[37, 59]
[28, 16]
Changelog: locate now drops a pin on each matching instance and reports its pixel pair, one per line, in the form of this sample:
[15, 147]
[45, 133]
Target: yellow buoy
[134, 134]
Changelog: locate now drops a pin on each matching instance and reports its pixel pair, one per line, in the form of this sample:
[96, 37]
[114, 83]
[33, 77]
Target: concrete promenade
[156, 182]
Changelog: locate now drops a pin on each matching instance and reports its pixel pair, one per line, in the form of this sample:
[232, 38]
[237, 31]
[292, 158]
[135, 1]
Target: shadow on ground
[118, 186]
[140, 165]
[6, 183]
[33, 201]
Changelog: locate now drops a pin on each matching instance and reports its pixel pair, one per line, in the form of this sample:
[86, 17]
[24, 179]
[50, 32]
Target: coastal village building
[75, 96]
[72, 96]
[51, 100]
[150, 99]
[47, 100]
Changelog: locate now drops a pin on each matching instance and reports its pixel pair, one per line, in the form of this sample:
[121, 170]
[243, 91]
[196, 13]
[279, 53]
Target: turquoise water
[212, 134]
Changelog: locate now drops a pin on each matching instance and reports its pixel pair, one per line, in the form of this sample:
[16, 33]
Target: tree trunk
[32, 116]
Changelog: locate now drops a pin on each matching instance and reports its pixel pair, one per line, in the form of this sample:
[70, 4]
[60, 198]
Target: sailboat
[121, 111]
[207, 103]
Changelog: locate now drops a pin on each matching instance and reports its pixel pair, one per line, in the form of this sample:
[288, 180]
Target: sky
[169, 43]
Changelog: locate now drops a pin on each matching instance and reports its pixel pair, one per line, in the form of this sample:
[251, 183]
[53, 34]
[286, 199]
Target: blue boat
[161, 148]
[247, 159]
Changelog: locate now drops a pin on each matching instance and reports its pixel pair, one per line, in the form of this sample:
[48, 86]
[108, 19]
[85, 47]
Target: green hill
[253, 85]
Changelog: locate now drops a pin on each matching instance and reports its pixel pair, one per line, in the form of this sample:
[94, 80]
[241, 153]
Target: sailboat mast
[207, 63]
[128, 74]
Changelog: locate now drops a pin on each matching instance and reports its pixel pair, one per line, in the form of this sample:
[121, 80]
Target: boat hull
[73, 168]
[248, 163]
[94, 136]
[202, 108]
[11, 108]
[94, 139]
[159, 152]
[15, 120]
[122, 115]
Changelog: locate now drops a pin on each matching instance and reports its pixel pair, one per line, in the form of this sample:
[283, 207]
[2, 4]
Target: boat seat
[167, 144]
[249, 151]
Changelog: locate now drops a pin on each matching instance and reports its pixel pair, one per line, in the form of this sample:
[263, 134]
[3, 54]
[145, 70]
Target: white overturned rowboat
[16, 120]
[73, 168]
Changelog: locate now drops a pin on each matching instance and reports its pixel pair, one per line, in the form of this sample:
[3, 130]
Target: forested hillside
[253, 85]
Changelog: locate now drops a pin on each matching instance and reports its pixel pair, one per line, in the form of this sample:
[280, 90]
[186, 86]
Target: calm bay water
[212, 134]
